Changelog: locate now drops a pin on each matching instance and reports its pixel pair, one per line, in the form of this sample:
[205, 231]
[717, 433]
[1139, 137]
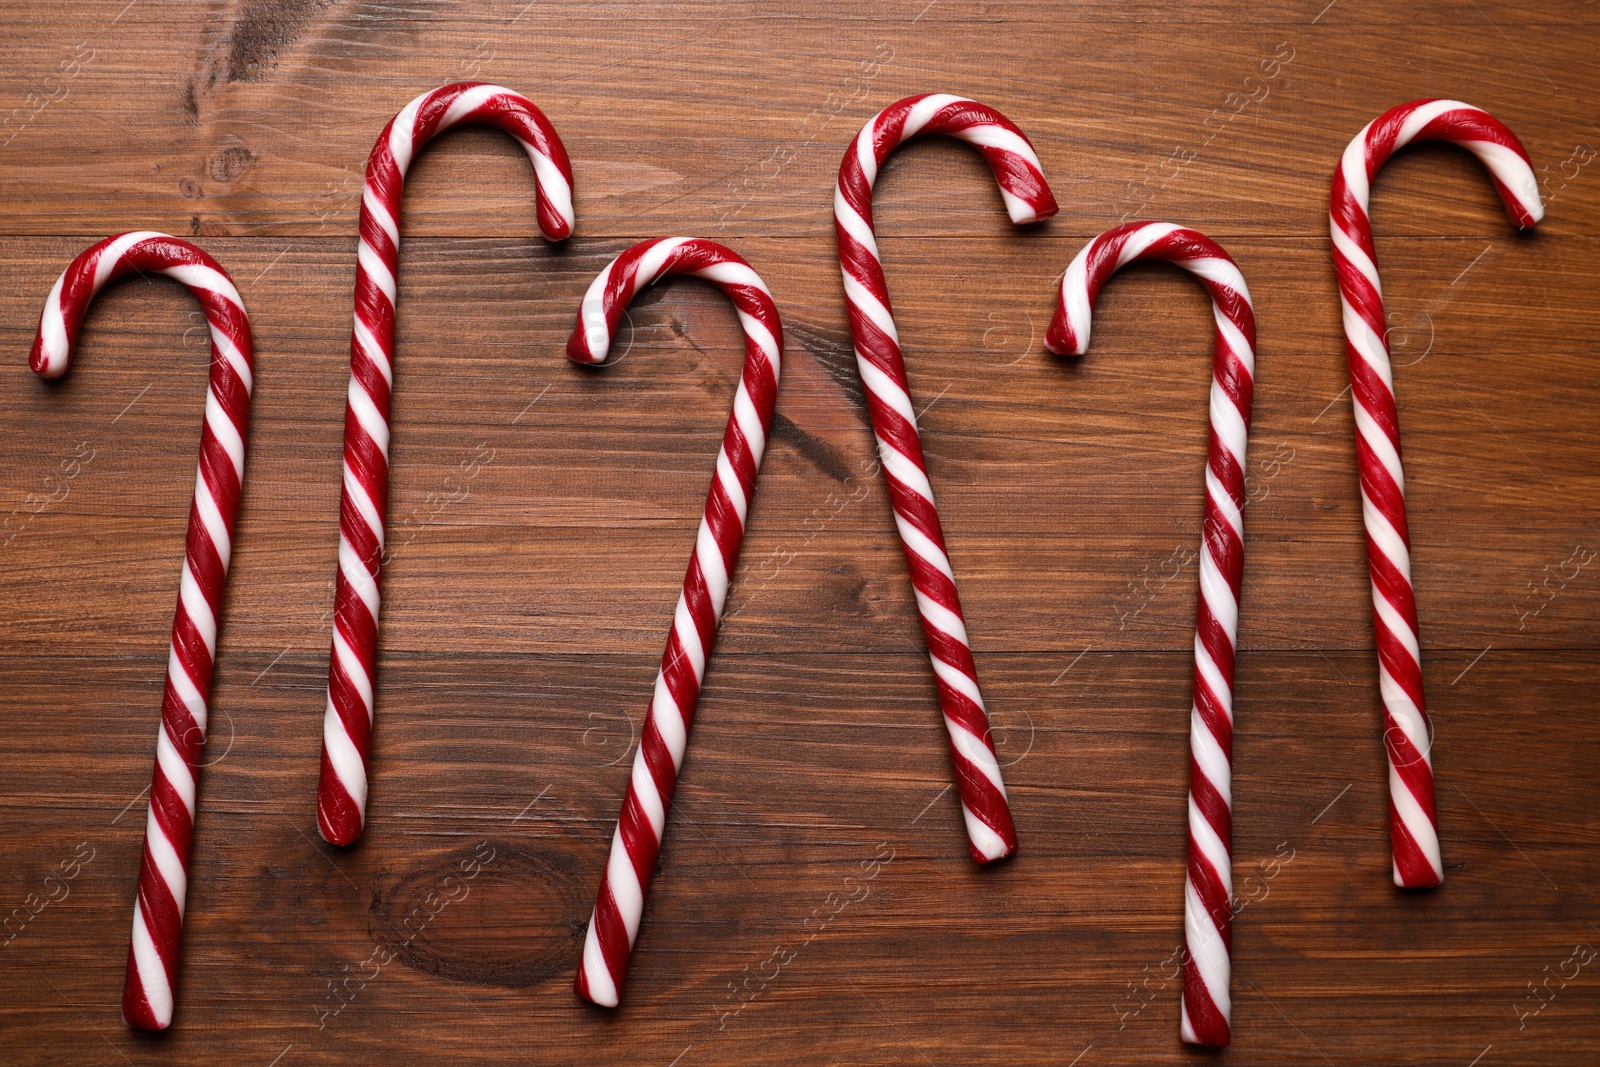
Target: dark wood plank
[542, 514]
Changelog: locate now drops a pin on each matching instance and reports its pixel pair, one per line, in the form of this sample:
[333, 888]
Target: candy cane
[353, 659]
[620, 903]
[1413, 823]
[147, 993]
[1027, 198]
[1208, 893]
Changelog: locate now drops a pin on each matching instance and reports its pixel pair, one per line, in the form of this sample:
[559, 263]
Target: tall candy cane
[147, 993]
[1208, 894]
[1413, 823]
[620, 903]
[883, 372]
[352, 662]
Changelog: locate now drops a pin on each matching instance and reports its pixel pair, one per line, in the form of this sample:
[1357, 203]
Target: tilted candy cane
[883, 373]
[1208, 893]
[147, 994]
[1413, 823]
[352, 662]
[620, 903]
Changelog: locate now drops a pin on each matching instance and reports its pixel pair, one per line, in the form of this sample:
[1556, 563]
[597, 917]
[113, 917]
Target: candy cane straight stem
[883, 373]
[352, 662]
[153, 952]
[1413, 822]
[620, 904]
[1208, 893]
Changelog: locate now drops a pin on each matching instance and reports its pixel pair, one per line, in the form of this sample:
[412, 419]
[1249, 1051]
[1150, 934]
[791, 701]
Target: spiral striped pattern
[352, 662]
[1208, 894]
[1027, 199]
[1413, 823]
[147, 993]
[620, 902]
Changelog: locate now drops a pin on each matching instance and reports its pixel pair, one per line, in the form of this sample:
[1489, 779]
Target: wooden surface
[542, 514]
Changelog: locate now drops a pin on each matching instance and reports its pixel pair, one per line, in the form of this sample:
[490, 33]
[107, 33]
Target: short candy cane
[1413, 822]
[1027, 197]
[353, 659]
[1208, 894]
[147, 993]
[620, 904]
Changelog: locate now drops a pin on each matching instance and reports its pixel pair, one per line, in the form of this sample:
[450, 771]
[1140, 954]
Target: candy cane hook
[1027, 198]
[1413, 822]
[353, 659]
[153, 952]
[620, 904]
[1208, 893]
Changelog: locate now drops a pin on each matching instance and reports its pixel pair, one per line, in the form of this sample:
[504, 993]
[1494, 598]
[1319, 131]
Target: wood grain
[814, 902]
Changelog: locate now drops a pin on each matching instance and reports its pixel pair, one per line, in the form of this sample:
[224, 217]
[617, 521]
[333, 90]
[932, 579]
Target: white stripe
[668, 718]
[866, 160]
[175, 770]
[211, 518]
[940, 617]
[379, 213]
[1212, 847]
[885, 388]
[226, 432]
[654, 260]
[195, 606]
[1354, 165]
[715, 571]
[918, 542]
[367, 414]
[112, 254]
[1424, 114]
[1386, 537]
[370, 263]
[1379, 443]
[345, 760]
[356, 493]
[869, 305]
[1208, 754]
[1416, 821]
[989, 844]
[1075, 299]
[53, 332]
[961, 682]
[749, 422]
[1218, 597]
[184, 687]
[647, 795]
[592, 312]
[471, 100]
[976, 752]
[373, 351]
[1235, 340]
[994, 136]
[727, 272]
[729, 480]
[152, 975]
[1207, 668]
[625, 888]
[356, 671]
[1139, 241]
[401, 132]
[355, 572]
[553, 186]
[1228, 422]
[923, 111]
[602, 990]
[854, 224]
[166, 859]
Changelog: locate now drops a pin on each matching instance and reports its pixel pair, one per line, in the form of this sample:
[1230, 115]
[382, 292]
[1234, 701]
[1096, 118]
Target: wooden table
[542, 515]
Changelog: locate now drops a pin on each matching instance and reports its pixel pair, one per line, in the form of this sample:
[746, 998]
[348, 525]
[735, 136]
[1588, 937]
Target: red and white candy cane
[620, 903]
[147, 994]
[352, 662]
[1413, 822]
[1027, 197]
[1208, 893]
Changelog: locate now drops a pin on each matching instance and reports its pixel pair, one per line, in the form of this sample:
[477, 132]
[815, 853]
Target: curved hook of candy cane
[985, 811]
[153, 951]
[1413, 820]
[619, 906]
[1208, 893]
[352, 661]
